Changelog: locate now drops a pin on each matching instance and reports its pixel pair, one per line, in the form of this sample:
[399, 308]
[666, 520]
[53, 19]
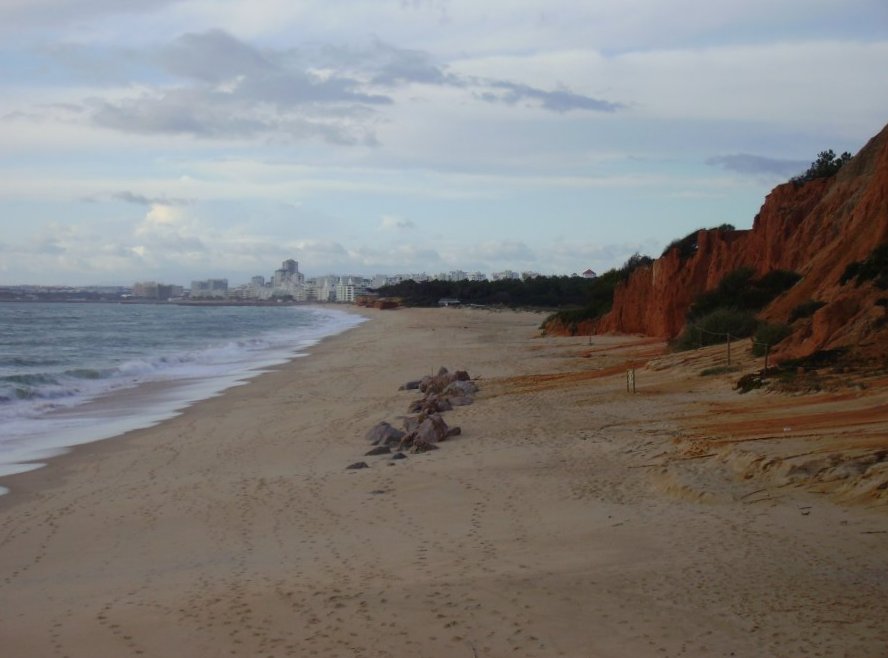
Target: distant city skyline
[182, 139]
[286, 283]
[452, 275]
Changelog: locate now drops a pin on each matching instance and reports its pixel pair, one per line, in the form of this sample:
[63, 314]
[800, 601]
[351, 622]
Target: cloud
[757, 165]
[390, 66]
[232, 90]
[213, 85]
[561, 100]
[141, 200]
[377, 63]
[163, 215]
[207, 114]
[391, 223]
[167, 234]
[213, 56]
[242, 72]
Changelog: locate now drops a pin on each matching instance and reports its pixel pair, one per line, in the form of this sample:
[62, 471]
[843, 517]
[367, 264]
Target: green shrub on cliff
[730, 308]
[767, 335]
[873, 268]
[740, 289]
[805, 309]
[827, 164]
[715, 327]
[687, 246]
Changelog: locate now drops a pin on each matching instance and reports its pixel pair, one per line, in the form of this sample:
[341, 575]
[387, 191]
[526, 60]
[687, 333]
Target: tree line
[579, 294]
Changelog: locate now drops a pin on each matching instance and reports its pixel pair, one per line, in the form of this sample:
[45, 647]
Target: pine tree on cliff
[826, 164]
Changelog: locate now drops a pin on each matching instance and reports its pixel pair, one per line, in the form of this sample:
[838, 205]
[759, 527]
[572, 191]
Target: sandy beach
[570, 517]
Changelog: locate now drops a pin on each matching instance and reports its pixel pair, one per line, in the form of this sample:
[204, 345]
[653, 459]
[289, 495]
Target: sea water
[72, 373]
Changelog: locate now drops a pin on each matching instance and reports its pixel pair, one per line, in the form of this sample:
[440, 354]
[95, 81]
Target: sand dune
[570, 518]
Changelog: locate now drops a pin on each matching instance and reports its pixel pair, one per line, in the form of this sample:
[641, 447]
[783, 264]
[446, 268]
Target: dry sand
[569, 519]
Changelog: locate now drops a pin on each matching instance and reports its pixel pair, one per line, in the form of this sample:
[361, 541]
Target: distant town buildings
[154, 290]
[34, 293]
[288, 284]
[288, 278]
[209, 289]
[348, 288]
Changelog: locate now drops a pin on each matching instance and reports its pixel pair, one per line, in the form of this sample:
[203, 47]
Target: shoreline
[121, 410]
[31, 477]
[235, 528]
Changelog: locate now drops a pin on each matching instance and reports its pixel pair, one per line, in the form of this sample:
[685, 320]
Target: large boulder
[432, 429]
[430, 405]
[435, 384]
[384, 434]
[412, 422]
[448, 384]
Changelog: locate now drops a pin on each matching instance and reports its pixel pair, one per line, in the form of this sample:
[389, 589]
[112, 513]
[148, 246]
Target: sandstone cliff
[816, 229]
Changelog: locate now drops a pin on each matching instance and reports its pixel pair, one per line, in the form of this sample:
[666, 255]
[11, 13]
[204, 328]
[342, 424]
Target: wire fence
[727, 336]
[727, 340]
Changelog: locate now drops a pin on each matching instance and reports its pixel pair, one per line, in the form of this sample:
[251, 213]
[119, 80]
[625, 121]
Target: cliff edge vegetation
[815, 264]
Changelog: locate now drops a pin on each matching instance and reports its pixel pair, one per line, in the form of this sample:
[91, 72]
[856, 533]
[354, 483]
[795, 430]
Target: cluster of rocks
[425, 428]
[442, 392]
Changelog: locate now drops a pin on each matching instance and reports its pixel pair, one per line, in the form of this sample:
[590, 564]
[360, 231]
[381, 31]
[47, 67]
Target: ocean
[71, 373]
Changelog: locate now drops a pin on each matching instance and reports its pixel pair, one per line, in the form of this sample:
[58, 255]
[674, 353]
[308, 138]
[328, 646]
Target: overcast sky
[182, 139]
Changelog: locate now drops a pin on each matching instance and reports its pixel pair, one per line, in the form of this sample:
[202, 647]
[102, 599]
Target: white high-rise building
[209, 289]
[349, 288]
[288, 281]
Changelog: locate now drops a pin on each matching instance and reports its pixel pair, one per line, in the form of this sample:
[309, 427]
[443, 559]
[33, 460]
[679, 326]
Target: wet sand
[570, 518]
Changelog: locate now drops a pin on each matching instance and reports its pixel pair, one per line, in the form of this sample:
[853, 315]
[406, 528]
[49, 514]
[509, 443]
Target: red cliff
[816, 229]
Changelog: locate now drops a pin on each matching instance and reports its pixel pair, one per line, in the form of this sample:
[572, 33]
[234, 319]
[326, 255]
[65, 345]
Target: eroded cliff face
[815, 229]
